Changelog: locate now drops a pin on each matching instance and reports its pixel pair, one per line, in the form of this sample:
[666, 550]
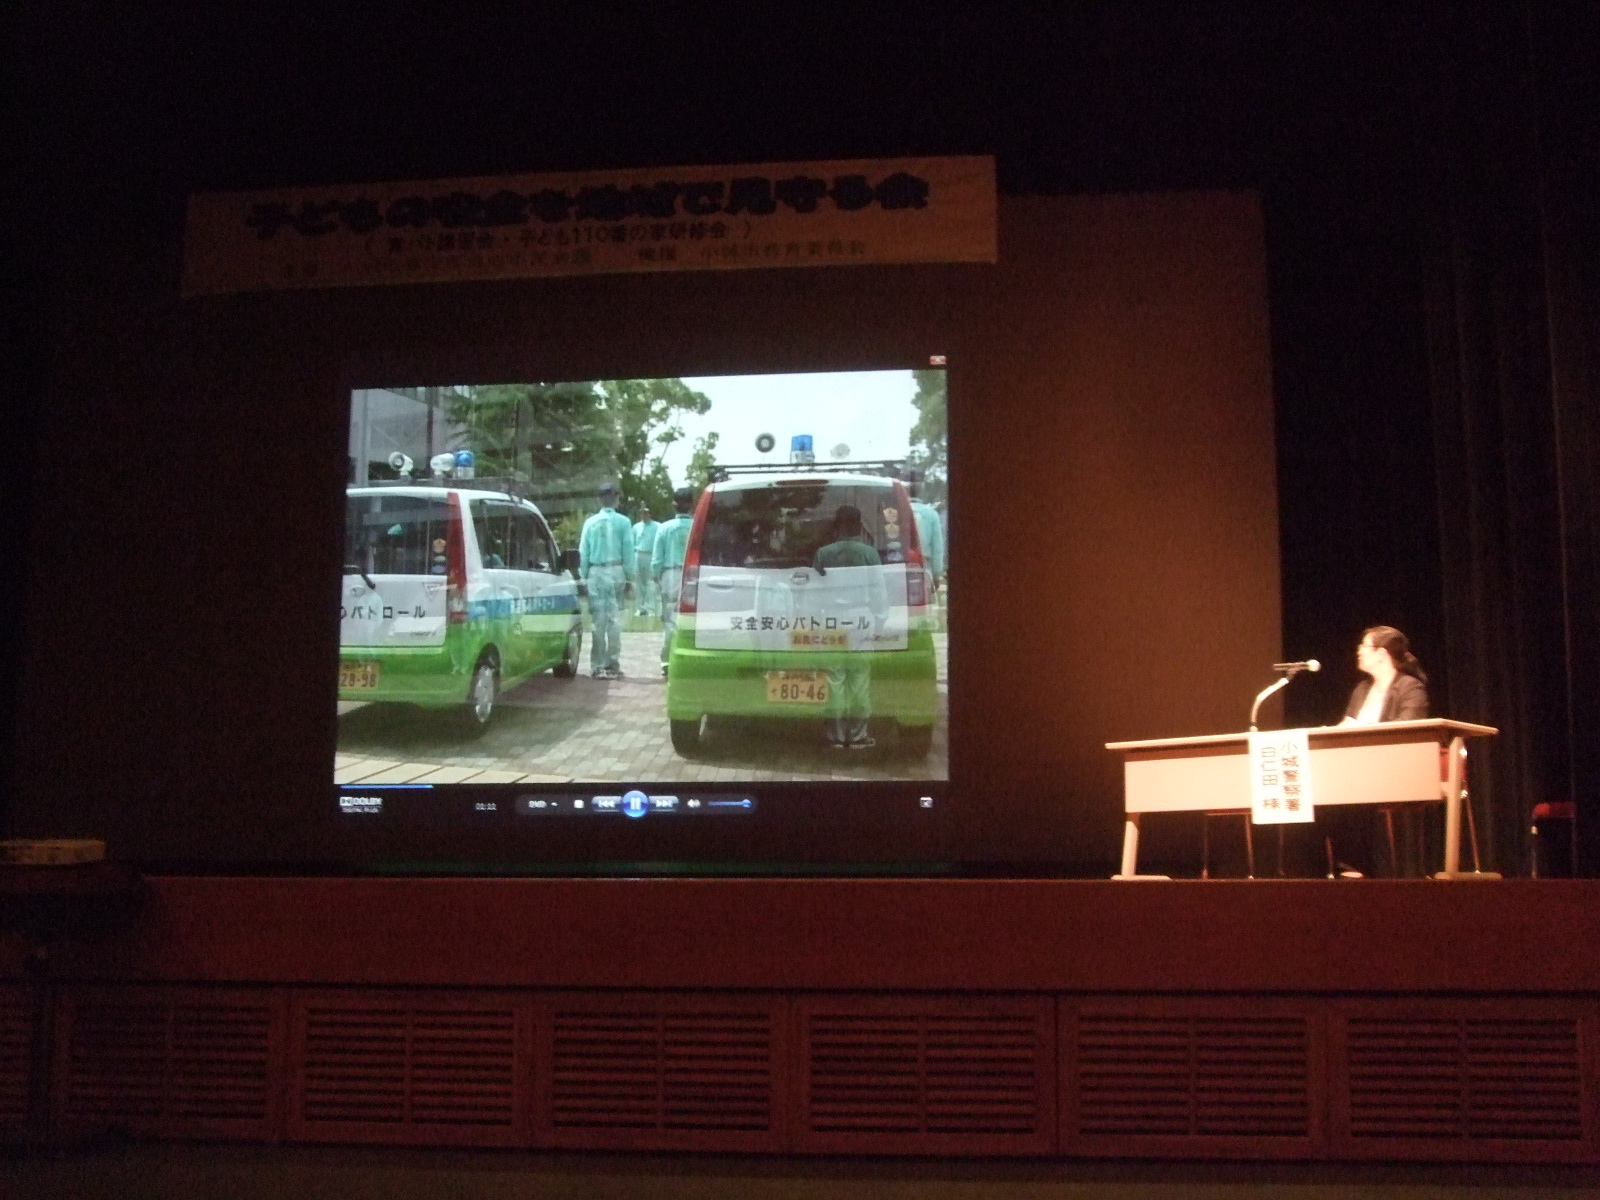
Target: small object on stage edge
[52, 852]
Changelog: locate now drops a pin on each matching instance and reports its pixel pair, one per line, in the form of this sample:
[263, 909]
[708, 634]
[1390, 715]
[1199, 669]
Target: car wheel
[916, 740]
[481, 696]
[568, 666]
[686, 736]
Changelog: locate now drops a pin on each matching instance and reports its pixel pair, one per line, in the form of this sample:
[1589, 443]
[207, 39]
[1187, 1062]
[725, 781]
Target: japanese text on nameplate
[1280, 777]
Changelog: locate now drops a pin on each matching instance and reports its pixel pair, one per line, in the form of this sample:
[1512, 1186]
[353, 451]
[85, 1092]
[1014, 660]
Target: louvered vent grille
[605, 1070]
[682, 1071]
[355, 1065]
[16, 1053]
[220, 1062]
[1465, 1079]
[463, 1067]
[916, 1073]
[409, 1064]
[1133, 1075]
[981, 1074]
[1193, 1076]
[166, 1063]
[716, 1071]
[866, 1074]
[117, 1060]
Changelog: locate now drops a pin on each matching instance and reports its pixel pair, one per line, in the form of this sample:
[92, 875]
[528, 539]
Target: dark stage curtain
[1564, 47]
[1432, 235]
[1505, 206]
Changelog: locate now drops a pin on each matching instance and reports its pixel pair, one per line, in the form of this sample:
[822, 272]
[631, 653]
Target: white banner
[817, 214]
[1280, 777]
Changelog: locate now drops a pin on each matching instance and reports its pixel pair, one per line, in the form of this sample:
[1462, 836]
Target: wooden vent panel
[717, 1071]
[671, 1071]
[354, 1065]
[411, 1069]
[1460, 1079]
[176, 1062]
[16, 1053]
[864, 1073]
[463, 1067]
[922, 1075]
[221, 1066]
[1190, 1077]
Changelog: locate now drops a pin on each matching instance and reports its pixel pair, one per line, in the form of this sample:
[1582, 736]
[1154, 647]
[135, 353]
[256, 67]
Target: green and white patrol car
[450, 596]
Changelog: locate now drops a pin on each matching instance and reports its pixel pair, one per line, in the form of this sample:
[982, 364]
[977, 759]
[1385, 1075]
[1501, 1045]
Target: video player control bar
[634, 805]
[410, 801]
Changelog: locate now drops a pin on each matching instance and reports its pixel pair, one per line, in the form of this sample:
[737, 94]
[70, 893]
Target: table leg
[1452, 811]
[1454, 798]
[1130, 846]
[1130, 852]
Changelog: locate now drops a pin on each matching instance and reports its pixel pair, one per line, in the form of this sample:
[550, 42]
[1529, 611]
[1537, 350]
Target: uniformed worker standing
[930, 532]
[850, 686]
[666, 566]
[644, 543]
[605, 559]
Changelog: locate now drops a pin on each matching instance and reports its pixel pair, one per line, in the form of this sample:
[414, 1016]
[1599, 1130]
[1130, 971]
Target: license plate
[797, 687]
[356, 675]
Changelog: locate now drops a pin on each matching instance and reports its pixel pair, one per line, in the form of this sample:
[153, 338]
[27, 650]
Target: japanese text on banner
[772, 215]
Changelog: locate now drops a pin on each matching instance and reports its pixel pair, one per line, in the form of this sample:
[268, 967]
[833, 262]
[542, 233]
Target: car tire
[686, 736]
[916, 741]
[568, 666]
[484, 690]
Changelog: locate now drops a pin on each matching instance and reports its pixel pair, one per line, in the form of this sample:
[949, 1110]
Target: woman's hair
[1387, 637]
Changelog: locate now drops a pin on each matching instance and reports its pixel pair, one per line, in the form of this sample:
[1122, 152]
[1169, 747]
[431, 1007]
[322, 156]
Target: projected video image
[720, 579]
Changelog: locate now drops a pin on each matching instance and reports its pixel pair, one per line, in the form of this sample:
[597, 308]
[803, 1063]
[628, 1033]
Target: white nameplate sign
[1280, 777]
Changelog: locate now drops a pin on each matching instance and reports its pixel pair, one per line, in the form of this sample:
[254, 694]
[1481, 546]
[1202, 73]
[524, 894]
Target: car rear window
[784, 525]
[396, 535]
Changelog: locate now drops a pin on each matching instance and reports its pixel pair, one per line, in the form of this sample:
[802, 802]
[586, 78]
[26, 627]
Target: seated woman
[1395, 688]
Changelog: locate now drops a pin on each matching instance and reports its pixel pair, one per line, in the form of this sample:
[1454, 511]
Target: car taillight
[455, 592]
[689, 588]
[916, 576]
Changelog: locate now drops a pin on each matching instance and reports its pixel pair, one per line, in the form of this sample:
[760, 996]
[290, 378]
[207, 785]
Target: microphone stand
[1290, 671]
[1269, 690]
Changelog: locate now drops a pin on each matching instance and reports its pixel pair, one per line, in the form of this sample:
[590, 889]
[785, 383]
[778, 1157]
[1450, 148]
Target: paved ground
[551, 730]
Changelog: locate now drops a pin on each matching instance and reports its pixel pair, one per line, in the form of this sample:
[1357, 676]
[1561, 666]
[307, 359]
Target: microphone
[1289, 671]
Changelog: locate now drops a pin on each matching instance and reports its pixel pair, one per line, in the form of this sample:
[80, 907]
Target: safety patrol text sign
[921, 210]
[1280, 777]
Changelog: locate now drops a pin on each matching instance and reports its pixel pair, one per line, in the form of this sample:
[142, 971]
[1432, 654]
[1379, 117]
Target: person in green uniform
[666, 566]
[850, 686]
[930, 532]
[644, 544]
[605, 562]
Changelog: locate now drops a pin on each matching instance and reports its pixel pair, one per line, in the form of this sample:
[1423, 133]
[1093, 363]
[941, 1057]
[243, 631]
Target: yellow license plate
[797, 687]
[358, 675]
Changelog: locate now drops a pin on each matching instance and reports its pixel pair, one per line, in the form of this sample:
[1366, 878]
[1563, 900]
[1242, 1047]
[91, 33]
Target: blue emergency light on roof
[800, 443]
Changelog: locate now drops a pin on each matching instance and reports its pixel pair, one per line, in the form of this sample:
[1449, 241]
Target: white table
[1396, 762]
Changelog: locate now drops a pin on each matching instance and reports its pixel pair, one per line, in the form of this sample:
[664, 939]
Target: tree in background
[703, 462]
[560, 441]
[545, 434]
[646, 416]
[929, 433]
